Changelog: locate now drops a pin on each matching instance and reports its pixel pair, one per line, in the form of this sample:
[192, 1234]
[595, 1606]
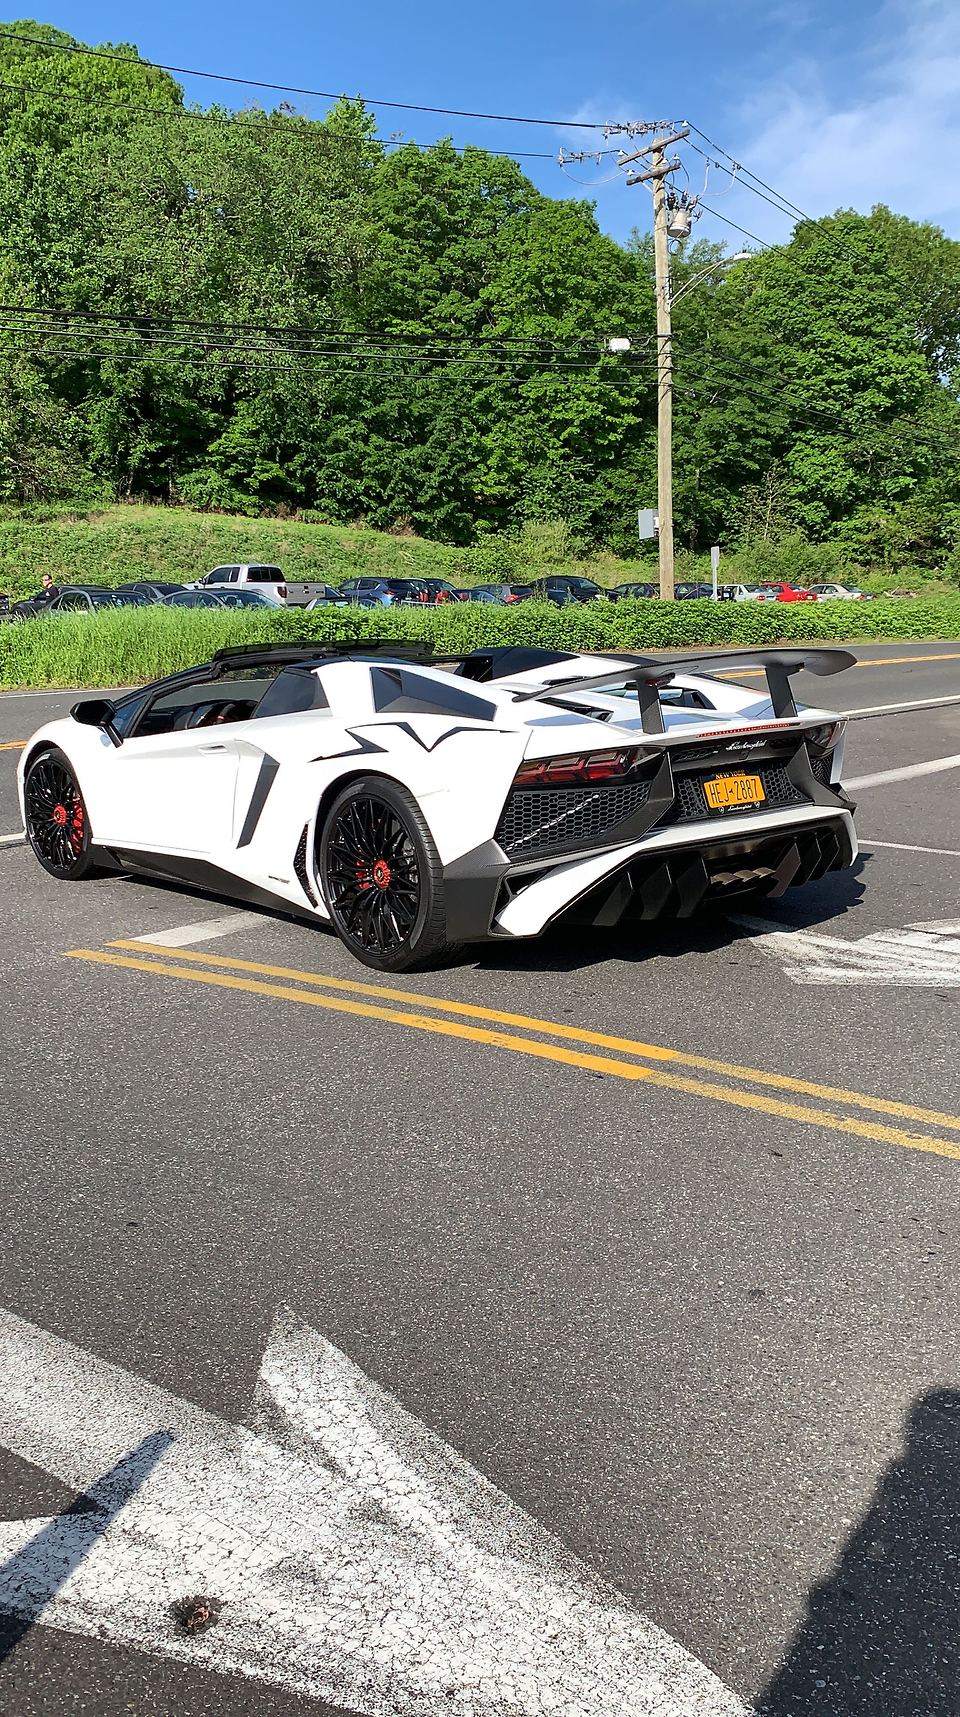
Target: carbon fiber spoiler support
[650, 673]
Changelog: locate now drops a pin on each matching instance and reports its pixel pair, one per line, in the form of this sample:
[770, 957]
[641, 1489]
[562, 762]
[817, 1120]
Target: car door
[173, 790]
[170, 793]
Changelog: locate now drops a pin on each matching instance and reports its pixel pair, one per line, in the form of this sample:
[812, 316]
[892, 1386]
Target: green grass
[137, 645]
[127, 542]
[123, 542]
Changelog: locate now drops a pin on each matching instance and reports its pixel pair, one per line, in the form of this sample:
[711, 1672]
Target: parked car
[626, 592]
[686, 592]
[566, 587]
[248, 598]
[303, 593]
[440, 590]
[386, 591]
[152, 588]
[558, 594]
[838, 593]
[74, 599]
[191, 598]
[330, 597]
[746, 593]
[495, 594]
[782, 592]
[268, 578]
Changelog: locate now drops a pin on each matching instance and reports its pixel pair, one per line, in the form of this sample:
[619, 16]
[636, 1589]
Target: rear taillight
[282, 592]
[824, 738]
[575, 771]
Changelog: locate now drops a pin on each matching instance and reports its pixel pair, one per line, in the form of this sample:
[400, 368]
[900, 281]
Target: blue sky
[834, 104]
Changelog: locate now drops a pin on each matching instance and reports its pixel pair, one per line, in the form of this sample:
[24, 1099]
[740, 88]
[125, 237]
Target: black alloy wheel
[381, 877]
[56, 818]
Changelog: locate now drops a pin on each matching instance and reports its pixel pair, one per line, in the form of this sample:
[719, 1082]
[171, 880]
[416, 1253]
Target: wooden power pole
[657, 174]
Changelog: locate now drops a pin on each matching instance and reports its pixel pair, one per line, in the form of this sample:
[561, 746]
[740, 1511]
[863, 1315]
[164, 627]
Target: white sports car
[415, 803]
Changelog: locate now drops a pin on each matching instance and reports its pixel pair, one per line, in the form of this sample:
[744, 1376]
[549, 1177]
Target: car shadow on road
[568, 947]
[882, 1633]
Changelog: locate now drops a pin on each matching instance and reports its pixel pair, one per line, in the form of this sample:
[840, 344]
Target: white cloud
[895, 139]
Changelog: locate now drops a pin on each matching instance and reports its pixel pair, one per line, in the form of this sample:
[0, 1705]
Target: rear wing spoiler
[649, 674]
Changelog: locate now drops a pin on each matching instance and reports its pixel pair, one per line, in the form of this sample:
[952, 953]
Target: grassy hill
[123, 542]
[115, 543]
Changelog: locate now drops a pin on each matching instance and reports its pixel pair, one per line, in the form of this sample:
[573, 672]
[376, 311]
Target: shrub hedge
[136, 645]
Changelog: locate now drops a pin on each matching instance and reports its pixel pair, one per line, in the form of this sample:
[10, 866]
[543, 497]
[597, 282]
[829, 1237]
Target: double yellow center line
[750, 1088]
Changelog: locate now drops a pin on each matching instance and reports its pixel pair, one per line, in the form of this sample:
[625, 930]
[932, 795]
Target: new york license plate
[725, 792]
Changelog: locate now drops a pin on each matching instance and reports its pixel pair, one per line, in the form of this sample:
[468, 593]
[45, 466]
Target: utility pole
[656, 175]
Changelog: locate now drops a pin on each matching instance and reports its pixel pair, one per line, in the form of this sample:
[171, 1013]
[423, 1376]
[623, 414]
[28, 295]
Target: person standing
[48, 590]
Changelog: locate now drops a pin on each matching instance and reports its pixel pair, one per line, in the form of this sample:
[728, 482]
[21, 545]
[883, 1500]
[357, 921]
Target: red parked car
[789, 593]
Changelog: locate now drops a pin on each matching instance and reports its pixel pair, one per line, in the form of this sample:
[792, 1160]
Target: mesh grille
[821, 770]
[691, 803]
[537, 820]
[300, 867]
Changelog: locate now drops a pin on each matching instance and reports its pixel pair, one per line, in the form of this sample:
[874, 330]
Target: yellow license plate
[725, 792]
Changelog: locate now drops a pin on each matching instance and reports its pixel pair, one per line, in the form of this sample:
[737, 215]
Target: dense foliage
[137, 645]
[415, 338]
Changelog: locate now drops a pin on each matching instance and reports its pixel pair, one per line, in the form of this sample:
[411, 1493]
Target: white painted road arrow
[348, 1554]
[922, 954]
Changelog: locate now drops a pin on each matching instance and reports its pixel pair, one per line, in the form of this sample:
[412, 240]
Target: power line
[138, 322]
[779, 206]
[320, 94]
[170, 348]
[742, 169]
[353, 368]
[265, 125]
[762, 242]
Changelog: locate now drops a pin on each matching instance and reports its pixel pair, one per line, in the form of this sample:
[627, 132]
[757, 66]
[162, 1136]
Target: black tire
[382, 879]
[58, 828]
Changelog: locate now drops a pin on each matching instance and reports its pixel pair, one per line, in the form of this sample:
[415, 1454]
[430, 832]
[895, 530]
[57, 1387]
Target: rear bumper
[671, 872]
[675, 884]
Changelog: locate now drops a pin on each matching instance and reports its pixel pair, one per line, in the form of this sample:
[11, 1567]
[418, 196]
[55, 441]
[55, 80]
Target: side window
[399, 692]
[126, 715]
[222, 575]
[263, 575]
[293, 692]
[202, 703]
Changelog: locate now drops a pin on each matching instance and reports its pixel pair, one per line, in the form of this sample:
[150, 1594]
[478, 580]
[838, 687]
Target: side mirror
[97, 712]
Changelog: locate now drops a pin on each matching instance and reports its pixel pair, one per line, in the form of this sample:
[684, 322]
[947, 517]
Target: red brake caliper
[76, 828]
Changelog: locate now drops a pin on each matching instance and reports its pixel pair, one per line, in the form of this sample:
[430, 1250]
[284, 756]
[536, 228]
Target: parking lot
[658, 1234]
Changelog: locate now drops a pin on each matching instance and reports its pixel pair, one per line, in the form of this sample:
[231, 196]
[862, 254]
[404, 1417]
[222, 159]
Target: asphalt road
[702, 1325]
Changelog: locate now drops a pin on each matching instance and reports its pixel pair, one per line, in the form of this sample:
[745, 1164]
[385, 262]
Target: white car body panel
[235, 805]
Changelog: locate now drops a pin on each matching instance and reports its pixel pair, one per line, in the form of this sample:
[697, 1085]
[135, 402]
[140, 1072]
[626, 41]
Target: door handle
[205, 750]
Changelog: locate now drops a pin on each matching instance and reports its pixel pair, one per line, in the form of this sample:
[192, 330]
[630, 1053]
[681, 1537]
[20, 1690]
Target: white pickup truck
[267, 579]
